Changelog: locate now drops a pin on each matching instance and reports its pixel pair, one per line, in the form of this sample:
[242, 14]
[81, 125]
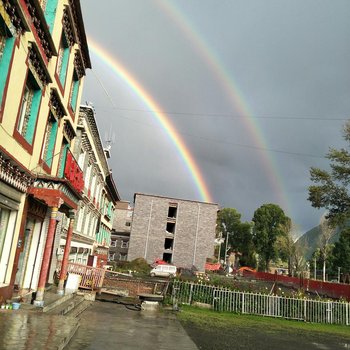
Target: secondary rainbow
[232, 91]
[161, 117]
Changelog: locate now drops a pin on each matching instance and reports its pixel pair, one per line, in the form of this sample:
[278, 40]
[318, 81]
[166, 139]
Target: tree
[269, 224]
[341, 252]
[325, 248]
[331, 189]
[238, 233]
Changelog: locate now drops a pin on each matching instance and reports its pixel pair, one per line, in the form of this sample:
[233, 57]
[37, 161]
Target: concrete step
[65, 307]
[74, 325]
[54, 300]
[79, 309]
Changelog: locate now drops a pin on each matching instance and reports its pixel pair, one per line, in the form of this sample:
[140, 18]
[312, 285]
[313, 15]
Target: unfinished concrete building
[178, 231]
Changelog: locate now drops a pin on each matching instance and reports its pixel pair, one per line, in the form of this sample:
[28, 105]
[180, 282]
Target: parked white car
[164, 271]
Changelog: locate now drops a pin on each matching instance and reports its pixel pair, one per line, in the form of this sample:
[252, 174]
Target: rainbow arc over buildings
[161, 117]
[230, 86]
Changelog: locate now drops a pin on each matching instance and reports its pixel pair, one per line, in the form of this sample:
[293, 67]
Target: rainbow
[232, 91]
[161, 117]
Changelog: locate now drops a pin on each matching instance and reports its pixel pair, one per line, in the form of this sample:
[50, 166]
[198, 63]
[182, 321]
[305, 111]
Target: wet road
[112, 326]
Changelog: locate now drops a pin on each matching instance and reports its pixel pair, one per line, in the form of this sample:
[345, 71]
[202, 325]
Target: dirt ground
[245, 334]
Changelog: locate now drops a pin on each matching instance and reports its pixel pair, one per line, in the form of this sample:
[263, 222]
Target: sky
[253, 92]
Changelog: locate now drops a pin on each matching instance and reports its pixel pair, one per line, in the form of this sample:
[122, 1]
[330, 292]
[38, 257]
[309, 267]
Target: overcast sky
[258, 90]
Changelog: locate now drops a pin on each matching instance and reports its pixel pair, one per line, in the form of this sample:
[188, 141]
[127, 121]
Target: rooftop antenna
[109, 141]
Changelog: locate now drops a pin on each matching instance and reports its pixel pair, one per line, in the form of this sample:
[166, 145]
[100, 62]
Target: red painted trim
[47, 252]
[22, 141]
[65, 260]
[2, 106]
[51, 197]
[45, 166]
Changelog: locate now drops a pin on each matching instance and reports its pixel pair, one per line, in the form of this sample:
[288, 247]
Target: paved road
[34, 331]
[111, 326]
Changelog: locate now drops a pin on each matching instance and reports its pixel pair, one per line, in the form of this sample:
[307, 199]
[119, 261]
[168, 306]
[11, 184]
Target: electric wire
[291, 153]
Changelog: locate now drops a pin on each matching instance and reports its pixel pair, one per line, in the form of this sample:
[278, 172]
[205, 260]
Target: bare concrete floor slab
[112, 326]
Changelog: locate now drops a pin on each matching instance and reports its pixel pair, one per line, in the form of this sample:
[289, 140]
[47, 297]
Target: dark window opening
[167, 257]
[170, 227]
[168, 244]
[172, 211]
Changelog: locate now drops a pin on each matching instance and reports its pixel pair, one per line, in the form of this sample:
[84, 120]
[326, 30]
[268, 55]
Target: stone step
[55, 301]
[79, 309]
[68, 305]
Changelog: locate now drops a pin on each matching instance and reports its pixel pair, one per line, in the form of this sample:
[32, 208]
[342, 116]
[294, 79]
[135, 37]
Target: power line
[201, 137]
[231, 116]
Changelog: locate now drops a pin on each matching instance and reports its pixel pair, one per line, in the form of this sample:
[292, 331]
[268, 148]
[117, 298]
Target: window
[113, 243]
[64, 151]
[124, 244]
[29, 109]
[122, 256]
[7, 43]
[47, 153]
[4, 219]
[7, 224]
[172, 211]
[168, 244]
[111, 257]
[62, 59]
[170, 228]
[74, 91]
[128, 223]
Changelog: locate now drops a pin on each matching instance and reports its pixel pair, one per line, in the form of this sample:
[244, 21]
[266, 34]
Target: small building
[178, 231]
[120, 235]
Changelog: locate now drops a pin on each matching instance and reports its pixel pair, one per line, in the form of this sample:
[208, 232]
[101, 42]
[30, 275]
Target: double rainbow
[231, 88]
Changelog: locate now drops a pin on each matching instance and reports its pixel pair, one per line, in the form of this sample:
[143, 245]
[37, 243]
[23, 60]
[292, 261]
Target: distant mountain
[310, 240]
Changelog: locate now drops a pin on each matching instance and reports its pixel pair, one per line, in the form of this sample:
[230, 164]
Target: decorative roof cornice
[87, 113]
[68, 130]
[38, 19]
[56, 105]
[80, 30]
[68, 26]
[16, 16]
[11, 174]
[79, 64]
[38, 65]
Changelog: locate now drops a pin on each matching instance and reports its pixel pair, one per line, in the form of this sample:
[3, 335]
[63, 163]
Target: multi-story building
[96, 210]
[120, 235]
[43, 59]
[178, 231]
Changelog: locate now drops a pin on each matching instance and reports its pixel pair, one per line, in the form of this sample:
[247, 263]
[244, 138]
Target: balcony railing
[91, 277]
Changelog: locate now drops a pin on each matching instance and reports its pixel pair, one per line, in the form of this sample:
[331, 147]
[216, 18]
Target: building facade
[120, 235]
[178, 231]
[43, 60]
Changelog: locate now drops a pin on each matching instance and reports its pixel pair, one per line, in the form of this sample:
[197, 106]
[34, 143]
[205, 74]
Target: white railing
[225, 300]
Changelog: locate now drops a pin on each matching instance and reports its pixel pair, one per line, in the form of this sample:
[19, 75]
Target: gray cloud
[290, 59]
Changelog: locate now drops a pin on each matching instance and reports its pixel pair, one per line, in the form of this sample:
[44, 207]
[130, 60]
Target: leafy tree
[341, 252]
[331, 189]
[239, 234]
[269, 224]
